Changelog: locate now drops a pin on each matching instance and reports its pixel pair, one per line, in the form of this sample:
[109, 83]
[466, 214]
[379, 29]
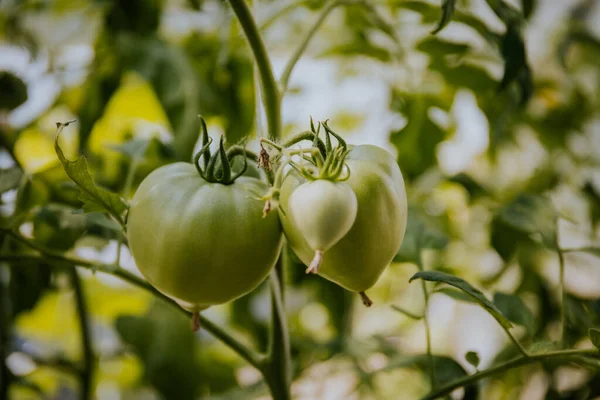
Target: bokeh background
[479, 115]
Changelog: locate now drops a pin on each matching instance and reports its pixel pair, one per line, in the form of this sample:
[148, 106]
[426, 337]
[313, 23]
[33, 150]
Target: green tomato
[359, 258]
[201, 243]
[322, 212]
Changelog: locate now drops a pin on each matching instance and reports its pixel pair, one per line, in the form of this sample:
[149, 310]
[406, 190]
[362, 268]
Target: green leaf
[528, 6]
[57, 227]
[515, 310]
[474, 188]
[472, 358]
[416, 152]
[419, 235]
[166, 346]
[447, 369]
[595, 337]
[9, 178]
[437, 276]
[542, 347]
[13, 91]
[456, 294]
[28, 282]
[447, 12]
[134, 149]
[532, 214]
[95, 199]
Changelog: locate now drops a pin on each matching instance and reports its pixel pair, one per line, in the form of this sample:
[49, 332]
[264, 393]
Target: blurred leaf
[528, 6]
[13, 91]
[436, 276]
[474, 188]
[56, 227]
[94, 198]
[472, 358]
[139, 16]
[134, 149]
[226, 82]
[417, 141]
[542, 347]
[166, 346]
[447, 369]
[505, 239]
[28, 281]
[9, 178]
[419, 235]
[447, 12]
[515, 310]
[513, 50]
[450, 60]
[32, 192]
[532, 214]
[594, 336]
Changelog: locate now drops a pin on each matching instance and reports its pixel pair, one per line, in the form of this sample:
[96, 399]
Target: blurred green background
[495, 123]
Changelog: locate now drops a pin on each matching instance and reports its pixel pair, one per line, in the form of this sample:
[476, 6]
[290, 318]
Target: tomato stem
[313, 268]
[195, 321]
[365, 299]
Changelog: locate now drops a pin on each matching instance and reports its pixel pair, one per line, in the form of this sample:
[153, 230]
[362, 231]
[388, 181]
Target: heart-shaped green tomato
[359, 258]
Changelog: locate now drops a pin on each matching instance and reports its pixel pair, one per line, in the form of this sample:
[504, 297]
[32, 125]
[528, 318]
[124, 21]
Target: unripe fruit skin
[201, 243]
[322, 211]
[359, 258]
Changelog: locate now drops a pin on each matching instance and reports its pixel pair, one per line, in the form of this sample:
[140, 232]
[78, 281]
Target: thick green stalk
[87, 371]
[270, 92]
[498, 369]
[278, 368]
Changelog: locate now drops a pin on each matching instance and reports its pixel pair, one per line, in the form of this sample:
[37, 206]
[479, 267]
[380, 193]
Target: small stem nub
[263, 159]
[195, 321]
[313, 268]
[365, 299]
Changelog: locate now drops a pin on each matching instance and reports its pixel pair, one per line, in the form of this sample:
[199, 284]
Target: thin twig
[87, 372]
[498, 369]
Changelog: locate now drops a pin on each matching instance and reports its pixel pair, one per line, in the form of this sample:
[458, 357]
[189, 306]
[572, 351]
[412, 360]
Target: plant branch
[563, 316]
[421, 267]
[87, 372]
[514, 363]
[246, 353]
[287, 72]
[278, 370]
[271, 97]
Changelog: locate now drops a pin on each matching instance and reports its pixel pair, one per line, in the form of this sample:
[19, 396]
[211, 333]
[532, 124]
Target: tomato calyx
[216, 168]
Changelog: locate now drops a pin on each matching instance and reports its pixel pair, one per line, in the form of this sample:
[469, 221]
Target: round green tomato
[359, 258]
[201, 243]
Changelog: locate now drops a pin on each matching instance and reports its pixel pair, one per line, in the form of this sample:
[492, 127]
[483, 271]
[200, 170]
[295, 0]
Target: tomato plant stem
[277, 370]
[270, 92]
[514, 363]
[287, 72]
[254, 358]
[563, 316]
[87, 372]
[5, 311]
[432, 374]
